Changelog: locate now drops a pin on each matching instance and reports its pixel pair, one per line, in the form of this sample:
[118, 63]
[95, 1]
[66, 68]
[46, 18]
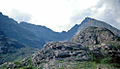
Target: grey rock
[93, 36]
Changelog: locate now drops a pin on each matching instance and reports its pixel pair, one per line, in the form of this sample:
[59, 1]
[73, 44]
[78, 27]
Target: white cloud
[58, 14]
[20, 16]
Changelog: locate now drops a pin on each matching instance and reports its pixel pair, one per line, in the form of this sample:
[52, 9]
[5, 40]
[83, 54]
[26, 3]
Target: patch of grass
[83, 65]
[92, 65]
[105, 60]
[20, 64]
[61, 61]
[61, 68]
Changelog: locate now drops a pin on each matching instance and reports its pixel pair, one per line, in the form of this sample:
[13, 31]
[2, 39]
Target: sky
[61, 15]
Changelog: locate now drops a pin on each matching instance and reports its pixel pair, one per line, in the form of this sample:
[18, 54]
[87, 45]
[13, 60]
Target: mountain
[13, 30]
[32, 35]
[74, 55]
[37, 35]
[11, 50]
[93, 36]
[73, 31]
[42, 32]
[96, 23]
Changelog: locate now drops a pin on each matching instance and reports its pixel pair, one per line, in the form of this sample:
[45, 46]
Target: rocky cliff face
[94, 35]
[91, 40]
[62, 51]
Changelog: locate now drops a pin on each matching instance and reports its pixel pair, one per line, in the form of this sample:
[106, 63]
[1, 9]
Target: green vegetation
[85, 65]
[61, 68]
[92, 65]
[21, 66]
[61, 61]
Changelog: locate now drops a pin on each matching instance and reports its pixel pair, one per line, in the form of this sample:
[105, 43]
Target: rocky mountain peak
[89, 18]
[96, 23]
[94, 35]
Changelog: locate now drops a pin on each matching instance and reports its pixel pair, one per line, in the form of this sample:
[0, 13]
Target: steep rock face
[96, 23]
[12, 30]
[111, 50]
[55, 51]
[93, 36]
[101, 42]
[61, 51]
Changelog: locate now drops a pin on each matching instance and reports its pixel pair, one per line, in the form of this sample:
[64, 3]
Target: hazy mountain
[73, 31]
[13, 30]
[48, 34]
[96, 23]
[42, 32]
[32, 35]
[11, 50]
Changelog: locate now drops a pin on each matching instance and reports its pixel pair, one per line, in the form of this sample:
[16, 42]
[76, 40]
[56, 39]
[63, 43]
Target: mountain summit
[96, 23]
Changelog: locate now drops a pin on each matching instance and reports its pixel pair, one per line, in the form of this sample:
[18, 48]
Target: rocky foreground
[92, 48]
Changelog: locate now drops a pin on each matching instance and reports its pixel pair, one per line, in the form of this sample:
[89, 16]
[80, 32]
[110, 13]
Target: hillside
[11, 50]
[12, 30]
[76, 55]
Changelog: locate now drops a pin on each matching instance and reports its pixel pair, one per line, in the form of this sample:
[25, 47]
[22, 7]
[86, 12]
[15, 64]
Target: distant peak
[1, 13]
[24, 22]
[89, 18]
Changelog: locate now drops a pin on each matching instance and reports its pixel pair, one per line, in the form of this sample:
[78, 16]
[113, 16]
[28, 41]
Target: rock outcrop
[62, 51]
[93, 36]
[102, 43]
